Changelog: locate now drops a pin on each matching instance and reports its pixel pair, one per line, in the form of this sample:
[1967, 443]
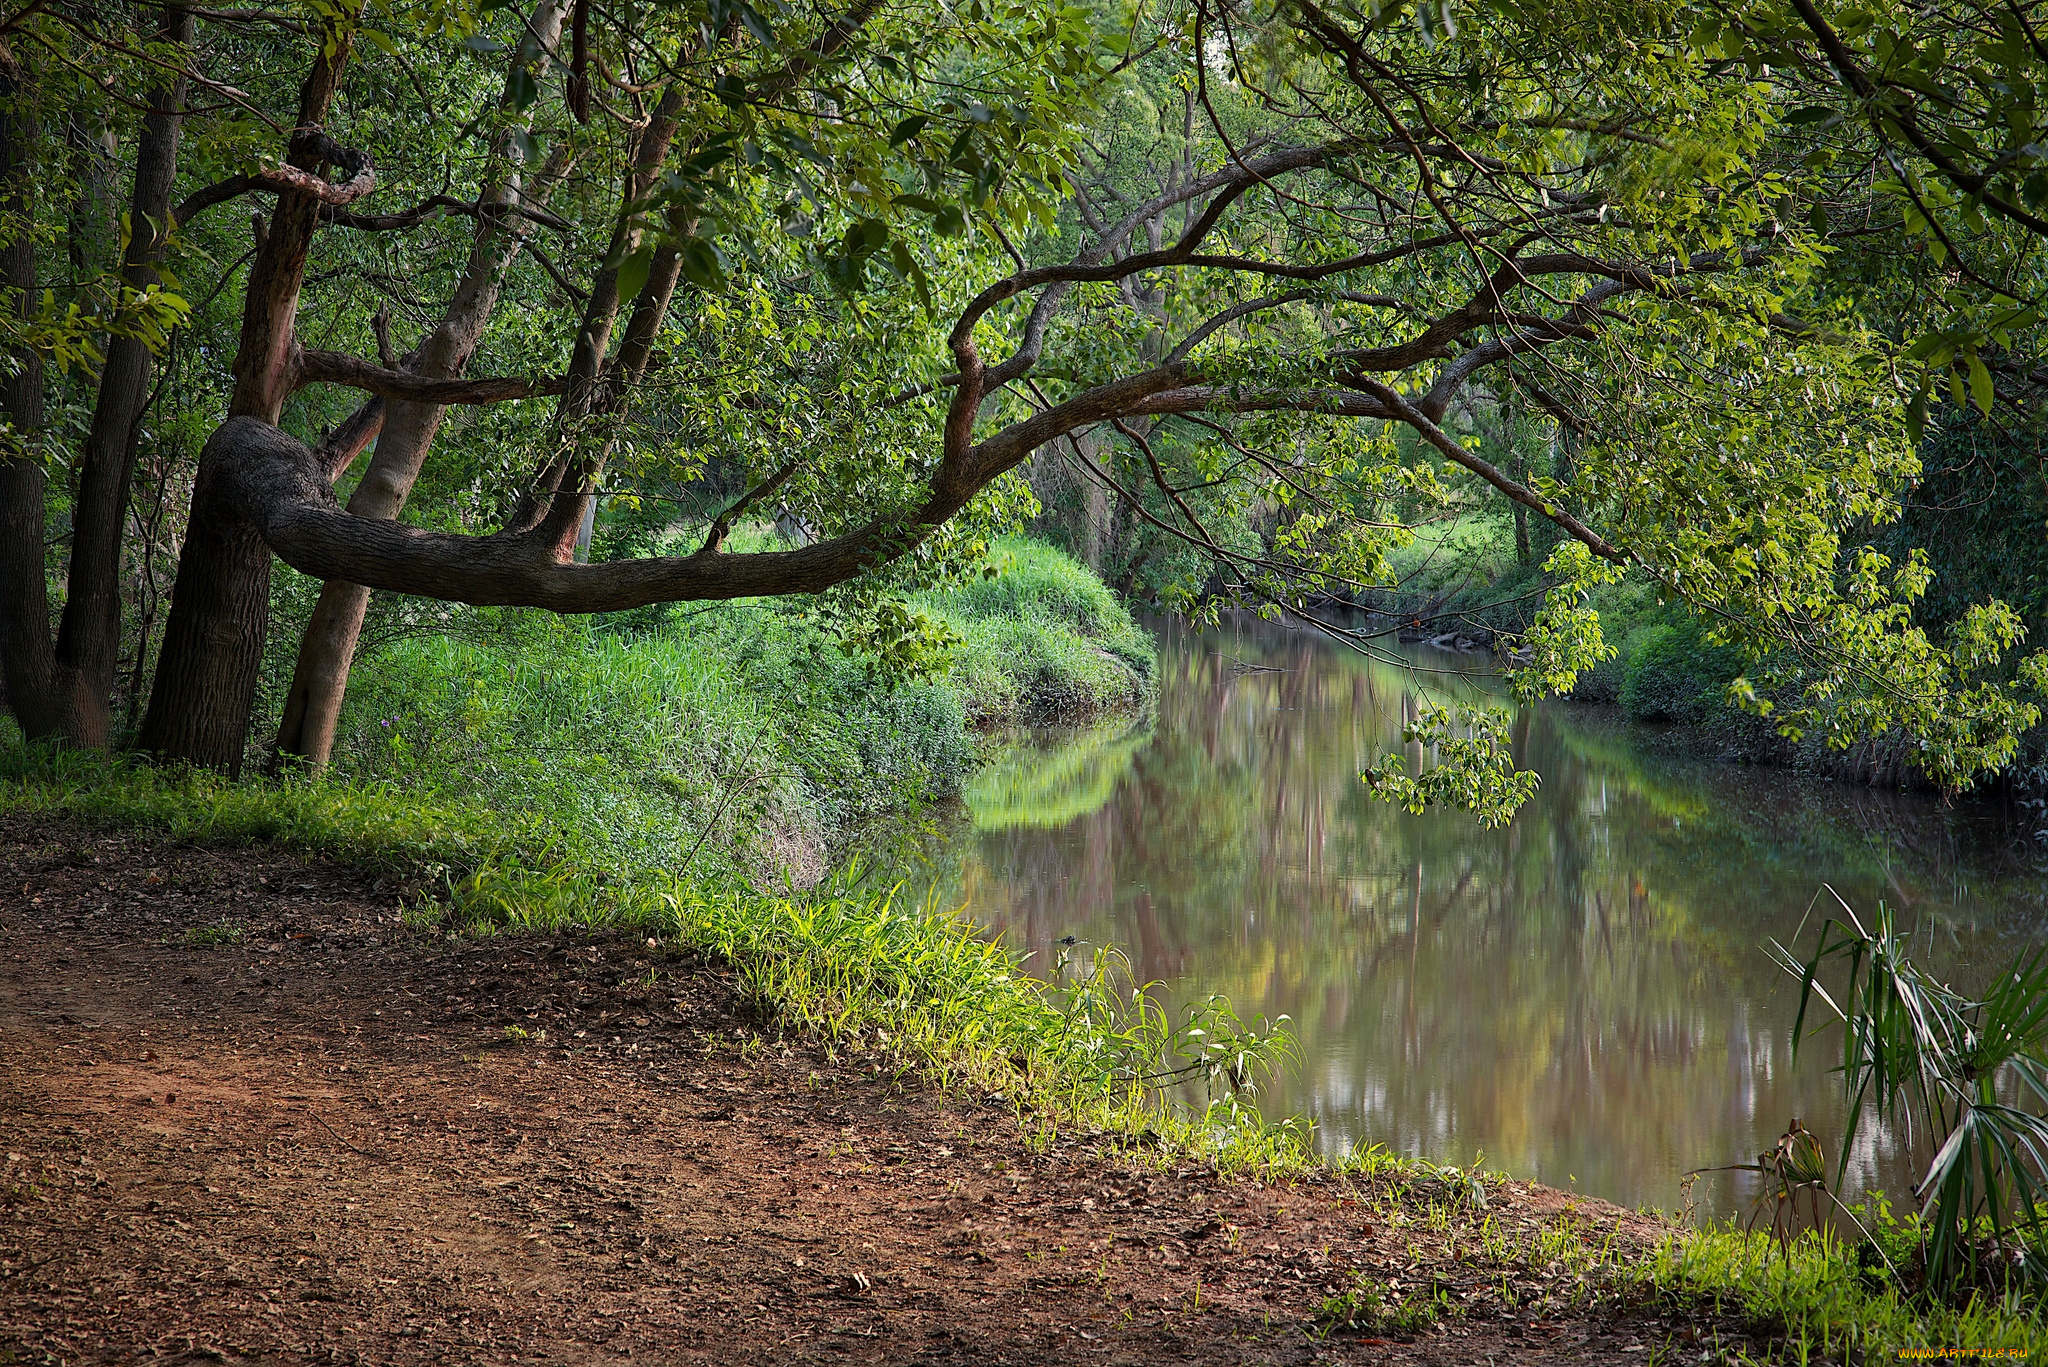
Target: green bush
[1674, 673]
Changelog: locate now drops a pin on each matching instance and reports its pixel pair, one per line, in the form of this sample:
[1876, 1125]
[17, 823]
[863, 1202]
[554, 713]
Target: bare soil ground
[247, 1115]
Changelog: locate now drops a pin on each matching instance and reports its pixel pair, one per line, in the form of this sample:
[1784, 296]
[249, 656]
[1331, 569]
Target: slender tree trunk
[220, 603]
[327, 650]
[587, 391]
[89, 638]
[27, 656]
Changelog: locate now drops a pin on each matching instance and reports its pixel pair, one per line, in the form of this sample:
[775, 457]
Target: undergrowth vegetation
[736, 740]
[1828, 1299]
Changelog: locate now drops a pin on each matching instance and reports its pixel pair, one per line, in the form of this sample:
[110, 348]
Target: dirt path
[321, 1143]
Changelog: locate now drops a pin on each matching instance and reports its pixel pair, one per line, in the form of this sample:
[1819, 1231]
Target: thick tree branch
[361, 178]
[338, 367]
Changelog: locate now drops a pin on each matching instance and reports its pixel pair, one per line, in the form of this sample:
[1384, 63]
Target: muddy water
[1584, 997]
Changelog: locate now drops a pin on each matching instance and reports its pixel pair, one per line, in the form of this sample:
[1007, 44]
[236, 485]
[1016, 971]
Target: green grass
[1044, 641]
[1828, 1304]
[735, 740]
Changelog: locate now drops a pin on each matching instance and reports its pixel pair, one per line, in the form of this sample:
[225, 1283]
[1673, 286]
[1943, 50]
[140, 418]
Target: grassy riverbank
[846, 965]
[736, 740]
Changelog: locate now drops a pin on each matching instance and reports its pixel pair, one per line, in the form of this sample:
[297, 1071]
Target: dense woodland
[333, 324]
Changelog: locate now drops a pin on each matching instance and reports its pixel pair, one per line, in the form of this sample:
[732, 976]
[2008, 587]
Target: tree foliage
[1284, 283]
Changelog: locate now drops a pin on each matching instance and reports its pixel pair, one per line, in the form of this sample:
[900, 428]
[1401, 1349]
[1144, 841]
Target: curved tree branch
[361, 179]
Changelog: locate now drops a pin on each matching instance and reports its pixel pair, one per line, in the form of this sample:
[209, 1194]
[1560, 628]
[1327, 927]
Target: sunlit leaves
[1565, 638]
[1473, 770]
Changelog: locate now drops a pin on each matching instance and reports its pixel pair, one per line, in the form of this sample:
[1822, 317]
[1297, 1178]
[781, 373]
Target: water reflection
[1582, 996]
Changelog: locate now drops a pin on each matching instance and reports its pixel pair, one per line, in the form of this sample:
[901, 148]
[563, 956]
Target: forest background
[600, 458]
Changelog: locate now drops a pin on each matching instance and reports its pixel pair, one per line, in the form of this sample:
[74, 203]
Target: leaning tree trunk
[320, 677]
[220, 602]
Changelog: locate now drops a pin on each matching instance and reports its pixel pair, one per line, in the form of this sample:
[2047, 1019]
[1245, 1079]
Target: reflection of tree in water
[1581, 994]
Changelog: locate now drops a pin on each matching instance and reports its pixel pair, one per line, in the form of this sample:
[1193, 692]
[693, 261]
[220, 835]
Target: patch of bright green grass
[1835, 1303]
[1044, 640]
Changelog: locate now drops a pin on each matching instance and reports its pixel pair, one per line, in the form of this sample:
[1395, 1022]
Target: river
[1584, 997]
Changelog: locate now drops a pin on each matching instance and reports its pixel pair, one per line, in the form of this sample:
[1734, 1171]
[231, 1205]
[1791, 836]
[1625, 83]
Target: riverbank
[735, 741]
[610, 1081]
[256, 1111]
[281, 925]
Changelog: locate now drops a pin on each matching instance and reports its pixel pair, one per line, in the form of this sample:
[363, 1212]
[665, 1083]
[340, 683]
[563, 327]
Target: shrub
[1674, 673]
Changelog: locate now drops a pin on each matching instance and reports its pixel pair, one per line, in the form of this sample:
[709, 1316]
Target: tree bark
[327, 650]
[220, 602]
[89, 637]
[27, 656]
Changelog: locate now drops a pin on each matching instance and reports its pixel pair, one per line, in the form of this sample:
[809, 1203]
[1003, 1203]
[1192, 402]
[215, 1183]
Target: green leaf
[757, 26]
[1813, 113]
[700, 263]
[864, 235]
[909, 129]
[525, 89]
[907, 267]
[1980, 384]
[633, 271]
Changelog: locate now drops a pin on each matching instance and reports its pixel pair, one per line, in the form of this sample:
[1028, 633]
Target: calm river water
[1583, 997]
